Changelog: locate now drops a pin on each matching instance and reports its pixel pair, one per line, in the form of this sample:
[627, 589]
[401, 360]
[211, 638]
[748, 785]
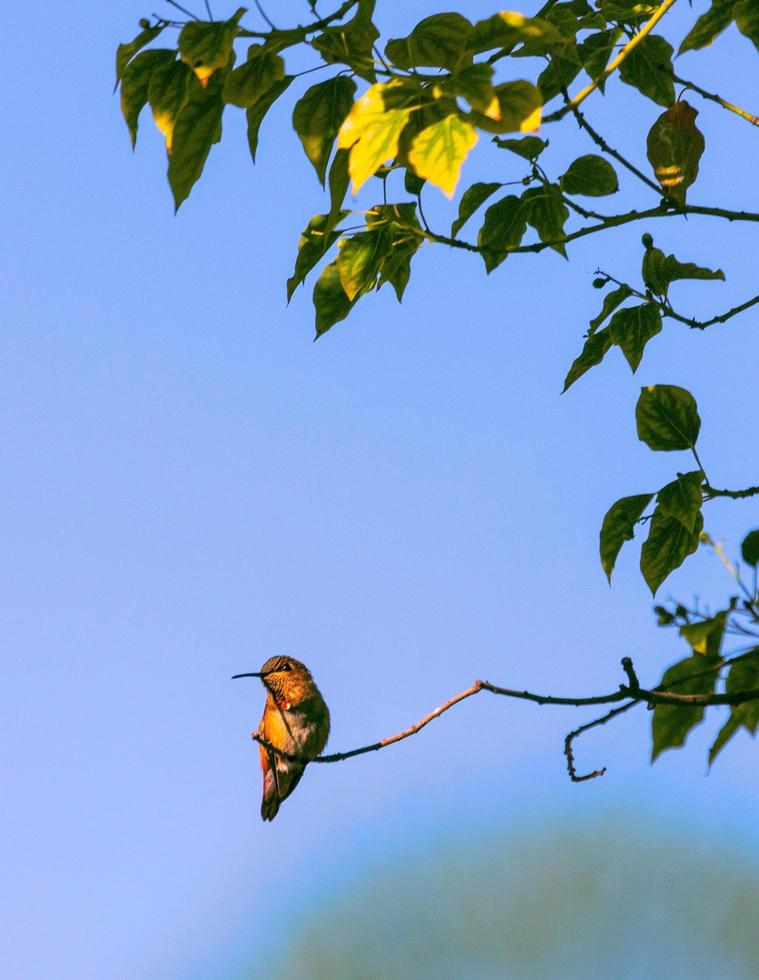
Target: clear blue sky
[190, 485]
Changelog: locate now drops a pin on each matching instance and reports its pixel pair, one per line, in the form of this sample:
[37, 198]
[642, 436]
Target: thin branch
[173, 3]
[297, 34]
[631, 693]
[613, 64]
[263, 14]
[713, 97]
[568, 750]
[733, 494]
[603, 145]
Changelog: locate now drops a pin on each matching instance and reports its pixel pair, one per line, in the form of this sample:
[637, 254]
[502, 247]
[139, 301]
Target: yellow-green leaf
[520, 106]
[438, 152]
[167, 93]
[371, 132]
[245, 85]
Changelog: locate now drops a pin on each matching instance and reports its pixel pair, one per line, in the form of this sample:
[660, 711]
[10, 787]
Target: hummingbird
[295, 720]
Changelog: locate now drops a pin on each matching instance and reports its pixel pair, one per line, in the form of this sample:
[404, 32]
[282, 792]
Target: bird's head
[286, 678]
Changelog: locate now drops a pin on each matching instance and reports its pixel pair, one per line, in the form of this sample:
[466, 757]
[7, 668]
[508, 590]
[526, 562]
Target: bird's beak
[258, 674]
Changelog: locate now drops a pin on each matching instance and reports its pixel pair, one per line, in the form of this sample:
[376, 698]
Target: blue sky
[190, 485]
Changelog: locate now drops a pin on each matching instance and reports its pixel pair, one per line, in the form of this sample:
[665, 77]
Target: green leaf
[682, 498]
[705, 637]
[412, 183]
[507, 29]
[400, 227]
[546, 212]
[351, 43]
[529, 147]
[437, 153]
[743, 676]
[674, 147]
[520, 107]
[750, 548]
[619, 526]
[560, 72]
[167, 93]
[671, 723]
[245, 85]
[196, 129]
[330, 301]
[667, 546]
[474, 84]
[593, 352]
[318, 116]
[648, 67]
[125, 52]
[439, 41]
[667, 418]
[611, 301]
[257, 112]
[135, 83]
[627, 11]
[360, 259]
[660, 271]
[709, 25]
[747, 20]
[207, 45]
[338, 181]
[591, 176]
[315, 240]
[503, 229]
[631, 329]
[472, 198]
[595, 51]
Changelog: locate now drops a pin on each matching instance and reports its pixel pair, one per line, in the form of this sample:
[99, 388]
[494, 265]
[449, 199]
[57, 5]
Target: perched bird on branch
[295, 721]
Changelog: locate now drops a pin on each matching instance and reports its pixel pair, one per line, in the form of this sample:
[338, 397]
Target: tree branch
[713, 97]
[631, 693]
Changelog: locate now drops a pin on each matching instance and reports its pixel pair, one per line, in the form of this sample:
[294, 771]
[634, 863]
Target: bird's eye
[286, 667]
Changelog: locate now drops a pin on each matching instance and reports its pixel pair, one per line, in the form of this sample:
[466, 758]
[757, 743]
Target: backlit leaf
[472, 198]
[167, 93]
[315, 240]
[750, 548]
[529, 147]
[351, 43]
[682, 498]
[125, 52]
[667, 418]
[593, 352]
[671, 723]
[648, 67]
[136, 81]
[330, 302]
[196, 129]
[371, 132]
[439, 41]
[318, 116]
[438, 152]
[611, 301]
[709, 25]
[619, 526]
[255, 115]
[503, 229]
[591, 176]
[743, 676]
[245, 85]
[207, 45]
[674, 146]
[631, 329]
[667, 546]
[747, 20]
[360, 259]
[507, 29]
[546, 212]
[705, 637]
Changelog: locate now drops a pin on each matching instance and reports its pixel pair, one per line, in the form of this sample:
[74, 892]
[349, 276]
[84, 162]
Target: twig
[613, 64]
[263, 14]
[601, 142]
[713, 97]
[173, 3]
[568, 752]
